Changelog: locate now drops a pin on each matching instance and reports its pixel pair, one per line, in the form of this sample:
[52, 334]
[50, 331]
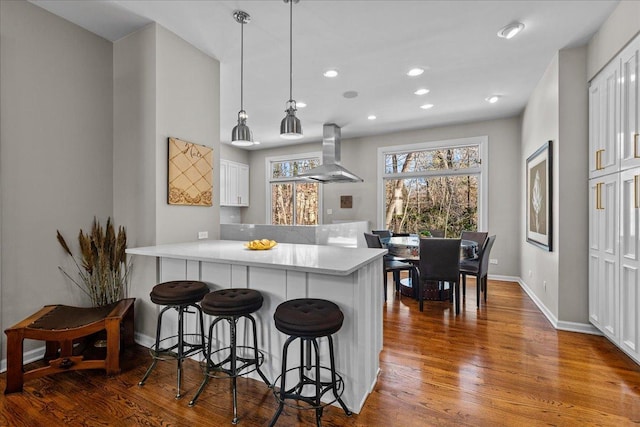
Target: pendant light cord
[290, 50]
[242, 65]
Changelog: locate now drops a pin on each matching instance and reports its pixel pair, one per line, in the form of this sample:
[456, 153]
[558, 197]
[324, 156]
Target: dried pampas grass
[103, 268]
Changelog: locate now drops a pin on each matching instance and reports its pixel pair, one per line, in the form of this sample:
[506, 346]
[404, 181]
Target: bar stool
[179, 295]
[232, 305]
[308, 319]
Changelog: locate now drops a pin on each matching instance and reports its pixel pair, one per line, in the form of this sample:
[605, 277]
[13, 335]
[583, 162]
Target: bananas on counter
[261, 244]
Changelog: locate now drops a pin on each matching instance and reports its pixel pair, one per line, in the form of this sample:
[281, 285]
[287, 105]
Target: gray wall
[163, 87]
[558, 110]
[56, 158]
[359, 155]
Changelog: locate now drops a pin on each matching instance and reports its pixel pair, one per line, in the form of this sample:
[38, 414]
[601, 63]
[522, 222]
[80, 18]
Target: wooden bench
[61, 326]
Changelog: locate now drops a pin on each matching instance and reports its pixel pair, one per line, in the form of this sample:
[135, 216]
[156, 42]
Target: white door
[243, 185]
[603, 254]
[629, 111]
[630, 261]
[604, 124]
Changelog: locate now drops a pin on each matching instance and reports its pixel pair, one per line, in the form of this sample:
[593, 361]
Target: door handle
[599, 196]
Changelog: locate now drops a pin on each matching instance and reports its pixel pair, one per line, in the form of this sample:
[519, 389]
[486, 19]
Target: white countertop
[287, 256]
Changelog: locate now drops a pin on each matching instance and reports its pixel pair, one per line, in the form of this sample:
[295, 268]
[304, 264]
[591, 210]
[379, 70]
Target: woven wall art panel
[190, 173]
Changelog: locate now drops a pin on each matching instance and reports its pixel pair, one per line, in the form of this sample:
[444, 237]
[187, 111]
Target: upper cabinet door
[629, 112]
[604, 109]
[604, 123]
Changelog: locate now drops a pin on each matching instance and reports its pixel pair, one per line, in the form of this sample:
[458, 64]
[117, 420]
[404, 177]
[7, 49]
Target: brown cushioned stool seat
[179, 295]
[232, 302]
[308, 319]
[179, 292]
[233, 360]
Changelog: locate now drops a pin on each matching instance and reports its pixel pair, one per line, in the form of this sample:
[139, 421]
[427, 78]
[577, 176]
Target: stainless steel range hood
[330, 170]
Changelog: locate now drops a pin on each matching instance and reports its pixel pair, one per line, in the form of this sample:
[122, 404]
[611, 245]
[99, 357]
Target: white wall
[56, 158]
[572, 152]
[187, 107]
[540, 123]
[621, 26]
[359, 155]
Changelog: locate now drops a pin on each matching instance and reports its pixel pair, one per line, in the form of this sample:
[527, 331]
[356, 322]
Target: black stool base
[180, 350]
[320, 388]
[233, 365]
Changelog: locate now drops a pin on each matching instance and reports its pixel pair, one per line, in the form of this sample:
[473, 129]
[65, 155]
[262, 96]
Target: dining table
[408, 248]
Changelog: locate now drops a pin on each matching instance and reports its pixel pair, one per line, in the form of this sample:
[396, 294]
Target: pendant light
[290, 127]
[241, 134]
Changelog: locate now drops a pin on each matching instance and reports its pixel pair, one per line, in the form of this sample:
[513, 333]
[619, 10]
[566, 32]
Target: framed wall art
[539, 197]
[190, 173]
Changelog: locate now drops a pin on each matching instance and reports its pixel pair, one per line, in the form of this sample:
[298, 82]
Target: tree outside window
[293, 201]
[435, 189]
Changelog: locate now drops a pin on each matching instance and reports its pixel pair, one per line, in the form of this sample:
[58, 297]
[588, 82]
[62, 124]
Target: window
[292, 201]
[433, 186]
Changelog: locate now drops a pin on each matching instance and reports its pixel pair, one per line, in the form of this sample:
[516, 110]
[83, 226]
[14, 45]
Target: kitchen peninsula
[350, 277]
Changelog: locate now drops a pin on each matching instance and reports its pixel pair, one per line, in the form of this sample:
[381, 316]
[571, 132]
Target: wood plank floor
[502, 365]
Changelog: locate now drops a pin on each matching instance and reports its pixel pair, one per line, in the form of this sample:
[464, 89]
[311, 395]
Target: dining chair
[436, 233]
[480, 237]
[479, 268]
[440, 262]
[384, 234]
[391, 263]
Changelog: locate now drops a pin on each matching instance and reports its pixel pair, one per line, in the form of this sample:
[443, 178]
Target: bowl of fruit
[260, 245]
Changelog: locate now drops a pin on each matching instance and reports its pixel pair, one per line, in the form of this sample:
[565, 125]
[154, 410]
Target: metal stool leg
[282, 393]
[208, 363]
[234, 377]
[157, 346]
[333, 377]
[255, 351]
[318, 382]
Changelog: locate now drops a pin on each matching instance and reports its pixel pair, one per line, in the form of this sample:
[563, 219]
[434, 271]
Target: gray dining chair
[440, 262]
[391, 263]
[479, 268]
[480, 237]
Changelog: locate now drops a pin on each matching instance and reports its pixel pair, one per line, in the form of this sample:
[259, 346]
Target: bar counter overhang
[350, 277]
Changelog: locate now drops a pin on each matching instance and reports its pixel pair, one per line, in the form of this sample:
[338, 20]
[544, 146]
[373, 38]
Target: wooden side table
[61, 326]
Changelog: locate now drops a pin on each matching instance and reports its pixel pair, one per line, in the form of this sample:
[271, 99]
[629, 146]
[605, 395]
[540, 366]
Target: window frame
[270, 180]
[483, 171]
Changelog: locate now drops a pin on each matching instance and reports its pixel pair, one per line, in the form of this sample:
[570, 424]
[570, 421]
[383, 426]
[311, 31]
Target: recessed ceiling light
[421, 91]
[415, 72]
[492, 99]
[331, 73]
[301, 104]
[372, 117]
[511, 30]
[426, 106]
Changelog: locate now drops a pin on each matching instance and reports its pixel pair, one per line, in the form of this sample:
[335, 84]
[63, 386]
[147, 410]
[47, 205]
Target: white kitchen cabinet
[614, 198]
[629, 111]
[234, 183]
[604, 123]
[603, 254]
[630, 262]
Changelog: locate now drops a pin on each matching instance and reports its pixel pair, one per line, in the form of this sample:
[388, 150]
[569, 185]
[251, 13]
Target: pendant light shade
[290, 127]
[241, 134]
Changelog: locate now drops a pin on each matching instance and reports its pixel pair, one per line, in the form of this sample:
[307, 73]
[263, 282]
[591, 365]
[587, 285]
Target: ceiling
[372, 44]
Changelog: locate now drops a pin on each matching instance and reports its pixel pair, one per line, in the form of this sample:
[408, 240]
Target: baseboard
[29, 357]
[584, 328]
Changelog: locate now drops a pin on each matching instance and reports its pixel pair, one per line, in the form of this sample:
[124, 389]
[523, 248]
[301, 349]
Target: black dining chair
[436, 233]
[384, 234]
[440, 262]
[391, 263]
[479, 268]
[480, 237]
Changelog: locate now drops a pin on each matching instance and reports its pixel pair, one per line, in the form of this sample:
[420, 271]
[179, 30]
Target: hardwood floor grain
[500, 365]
